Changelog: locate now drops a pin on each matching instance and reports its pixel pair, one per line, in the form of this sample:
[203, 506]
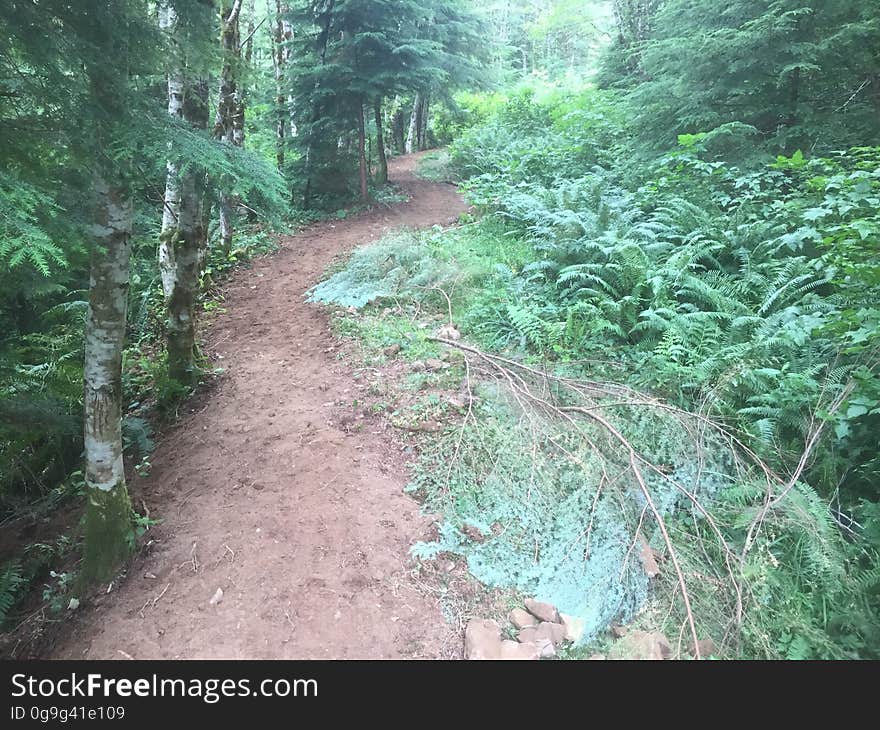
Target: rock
[515, 650]
[597, 658]
[574, 627]
[707, 648]
[430, 426]
[473, 533]
[618, 632]
[555, 633]
[217, 597]
[456, 402]
[542, 640]
[392, 350]
[544, 611]
[522, 619]
[642, 645]
[482, 639]
[649, 561]
[433, 364]
[418, 366]
[449, 332]
[546, 648]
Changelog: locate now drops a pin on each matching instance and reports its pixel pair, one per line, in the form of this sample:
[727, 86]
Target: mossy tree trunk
[229, 121]
[189, 240]
[184, 229]
[108, 533]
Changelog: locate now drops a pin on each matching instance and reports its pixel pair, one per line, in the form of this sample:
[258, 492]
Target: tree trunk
[423, 124]
[108, 527]
[188, 240]
[183, 240]
[278, 58]
[167, 22]
[229, 120]
[286, 58]
[398, 130]
[382, 174]
[411, 141]
[362, 154]
[249, 45]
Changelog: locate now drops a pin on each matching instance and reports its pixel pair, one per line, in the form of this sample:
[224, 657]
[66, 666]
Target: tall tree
[186, 209]
[229, 119]
[116, 33]
[382, 174]
[108, 512]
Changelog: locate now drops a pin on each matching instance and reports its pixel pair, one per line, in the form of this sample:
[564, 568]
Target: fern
[11, 581]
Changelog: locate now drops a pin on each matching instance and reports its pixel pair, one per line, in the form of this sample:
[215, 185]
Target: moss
[108, 533]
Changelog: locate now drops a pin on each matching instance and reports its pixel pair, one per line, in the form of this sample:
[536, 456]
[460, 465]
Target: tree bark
[362, 152]
[423, 123]
[108, 526]
[411, 140]
[229, 120]
[278, 59]
[183, 241]
[188, 240]
[171, 206]
[382, 173]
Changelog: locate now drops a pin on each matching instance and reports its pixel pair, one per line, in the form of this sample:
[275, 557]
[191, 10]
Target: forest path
[263, 494]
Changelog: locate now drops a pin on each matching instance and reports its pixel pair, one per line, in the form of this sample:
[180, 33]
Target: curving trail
[264, 495]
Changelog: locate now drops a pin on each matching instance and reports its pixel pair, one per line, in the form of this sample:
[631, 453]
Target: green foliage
[744, 292]
[398, 265]
[353, 54]
[11, 581]
[801, 73]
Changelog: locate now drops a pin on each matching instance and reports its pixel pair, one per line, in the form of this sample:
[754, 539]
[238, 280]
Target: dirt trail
[262, 494]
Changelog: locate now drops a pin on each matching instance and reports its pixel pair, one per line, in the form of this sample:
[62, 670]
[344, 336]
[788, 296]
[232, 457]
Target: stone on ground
[515, 650]
[482, 639]
[642, 645]
[574, 627]
[544, 611]
[522, 619]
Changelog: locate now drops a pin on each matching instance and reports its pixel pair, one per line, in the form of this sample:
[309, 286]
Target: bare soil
[264, 494]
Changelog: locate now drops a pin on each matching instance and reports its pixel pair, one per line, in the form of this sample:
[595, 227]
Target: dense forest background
[675, 214]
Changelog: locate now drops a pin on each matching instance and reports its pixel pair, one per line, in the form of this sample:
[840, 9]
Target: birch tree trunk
[108, 527]
[278, 58]
[382, 174]
[413, 127]
[183, 239]
[188, 240]
[171, 206]
[229, 121]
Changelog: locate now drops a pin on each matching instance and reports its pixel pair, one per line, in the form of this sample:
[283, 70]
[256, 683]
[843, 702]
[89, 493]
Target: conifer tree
[352, 54]
[799, 72]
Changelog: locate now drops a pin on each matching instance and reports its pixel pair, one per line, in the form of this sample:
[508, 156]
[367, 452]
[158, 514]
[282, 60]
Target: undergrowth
[738, 302]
